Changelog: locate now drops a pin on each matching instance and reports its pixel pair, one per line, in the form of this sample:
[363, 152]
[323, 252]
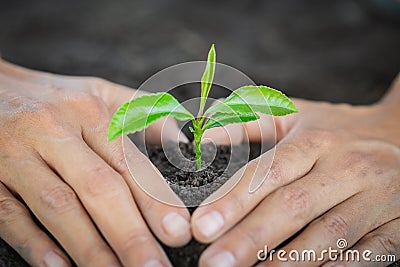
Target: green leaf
[139, 113]
[250, 99]
[207, 78]
[222, 119]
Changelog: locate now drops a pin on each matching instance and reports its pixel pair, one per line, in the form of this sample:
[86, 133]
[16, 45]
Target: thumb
[114, 95]
[267, 129]
[272, 129]
[225, 135]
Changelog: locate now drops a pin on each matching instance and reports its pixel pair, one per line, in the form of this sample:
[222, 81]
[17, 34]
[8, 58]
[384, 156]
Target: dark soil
[194, 186]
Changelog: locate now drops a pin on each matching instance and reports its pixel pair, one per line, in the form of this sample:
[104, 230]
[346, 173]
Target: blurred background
[340, 51]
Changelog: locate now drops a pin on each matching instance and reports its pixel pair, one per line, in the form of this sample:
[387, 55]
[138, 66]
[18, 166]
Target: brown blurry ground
[341, 51]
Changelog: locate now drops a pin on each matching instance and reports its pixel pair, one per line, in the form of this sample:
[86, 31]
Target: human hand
[55, 161]
[335, 174]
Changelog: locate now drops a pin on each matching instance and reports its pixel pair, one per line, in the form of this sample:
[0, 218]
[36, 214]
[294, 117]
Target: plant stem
[198, 153]
[198, 133]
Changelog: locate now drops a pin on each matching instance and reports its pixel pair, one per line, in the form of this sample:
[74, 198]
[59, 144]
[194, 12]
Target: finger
[106, 98]
[56, 206]
[101, 188]
[378, 248]
[114, 95]
[22, 234]
[266, 129]
[339, 229]
[164, 130]
[273, 129]
[170, 224]
[230, 134]
[270, 171]
[292, 206]
[226, 135]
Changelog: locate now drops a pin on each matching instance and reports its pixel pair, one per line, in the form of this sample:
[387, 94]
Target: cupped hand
[56, 165]
[335, 174]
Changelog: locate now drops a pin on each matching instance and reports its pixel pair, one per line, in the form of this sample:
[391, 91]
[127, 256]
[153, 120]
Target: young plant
[242, 105]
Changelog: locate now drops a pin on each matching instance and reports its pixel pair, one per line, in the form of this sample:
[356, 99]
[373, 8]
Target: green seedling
[242, 105]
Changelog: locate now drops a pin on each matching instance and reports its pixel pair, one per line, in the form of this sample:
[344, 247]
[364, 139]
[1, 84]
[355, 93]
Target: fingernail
[221, 259]
[175, 225]
[210, 223]
[52, 259]
[153, 263]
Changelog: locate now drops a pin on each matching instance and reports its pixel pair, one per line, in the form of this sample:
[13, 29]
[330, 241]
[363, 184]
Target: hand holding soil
[55, 161]
[335, 174]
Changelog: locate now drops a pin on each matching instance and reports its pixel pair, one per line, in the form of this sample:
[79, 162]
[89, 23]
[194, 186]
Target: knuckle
[95, 255]
[49, 118]
[10, 210]
[40, 112]
[263, 165]
[120, 164]
[137, 239]
[148, 204]
[252, 166]
[286, 149]
[95, 84]
[371, 157]
[27, 115]
[102, 182]
[236, 204]
[315, 138]
[96, 81]
[361, 163]
[275, 173]
[90, 99]
[336, 225]
[59, 198]
[92, 103]
[257, 167]
[295, 200]
[285, 152]
[119, 160]
[253, 238]
[387, 243]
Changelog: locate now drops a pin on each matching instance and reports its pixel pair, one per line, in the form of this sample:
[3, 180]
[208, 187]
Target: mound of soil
[177, 164]
[194, 186]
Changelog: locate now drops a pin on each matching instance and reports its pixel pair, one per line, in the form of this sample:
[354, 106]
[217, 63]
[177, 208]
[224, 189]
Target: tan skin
[336, 172]
[335, 169]
[55, 161]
